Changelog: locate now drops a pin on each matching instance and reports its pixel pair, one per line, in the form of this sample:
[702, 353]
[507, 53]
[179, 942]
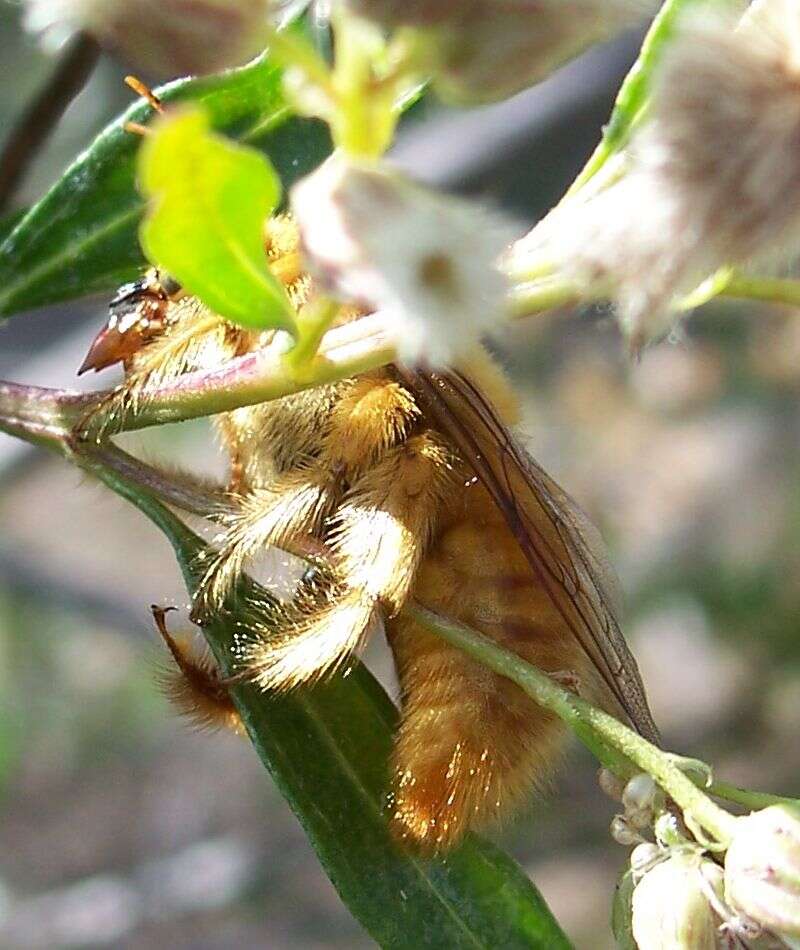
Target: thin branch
[42, 115]
[39, 415]
[196, 497]
[357, 347]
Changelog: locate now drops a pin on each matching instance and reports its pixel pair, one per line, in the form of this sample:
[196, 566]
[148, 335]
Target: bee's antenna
[143, 90]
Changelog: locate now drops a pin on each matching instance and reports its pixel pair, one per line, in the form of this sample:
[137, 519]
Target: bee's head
[137, 314]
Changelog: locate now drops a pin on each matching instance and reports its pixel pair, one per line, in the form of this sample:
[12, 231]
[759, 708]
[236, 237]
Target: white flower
[373, 237]
[164, 38]
[762, 869]
[481, 50]
[671, 908]
[713, 177]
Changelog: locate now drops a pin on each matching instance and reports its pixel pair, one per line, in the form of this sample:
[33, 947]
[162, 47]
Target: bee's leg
[194, 686]
[293, 506]
[371, 415]
[234, 447]
[377, 538]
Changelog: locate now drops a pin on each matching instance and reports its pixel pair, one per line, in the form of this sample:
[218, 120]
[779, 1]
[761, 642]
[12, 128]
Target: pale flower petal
[375, 238]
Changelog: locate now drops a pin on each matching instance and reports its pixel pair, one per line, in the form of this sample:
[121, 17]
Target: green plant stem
[31, 132]
[751, 800]
[346, 351]
[37, 416]
[587, 722]
[538, 296]
[767, 289]
[313, 322]
[291, 49]
[40, 416]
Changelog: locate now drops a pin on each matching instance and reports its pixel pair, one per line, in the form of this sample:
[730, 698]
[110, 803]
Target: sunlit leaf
[209, 198]
[82, 236]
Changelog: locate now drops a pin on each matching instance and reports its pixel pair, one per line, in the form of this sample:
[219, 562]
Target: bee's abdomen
[471, 744]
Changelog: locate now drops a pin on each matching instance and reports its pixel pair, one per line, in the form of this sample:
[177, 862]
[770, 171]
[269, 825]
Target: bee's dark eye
[128, 295]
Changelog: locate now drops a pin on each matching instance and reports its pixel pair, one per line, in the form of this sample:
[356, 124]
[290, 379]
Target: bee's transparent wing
[562, 546]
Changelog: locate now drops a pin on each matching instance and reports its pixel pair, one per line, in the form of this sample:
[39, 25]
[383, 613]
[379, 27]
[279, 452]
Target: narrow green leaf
[209, 198]
[82, 236]
[9, 222]
[327, 749]
[621, 918]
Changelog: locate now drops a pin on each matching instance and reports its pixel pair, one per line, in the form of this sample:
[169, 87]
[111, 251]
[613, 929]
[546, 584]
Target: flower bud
[762, 868]
[164, 38]
[623, 832]
[481, 50]
[375, 238]
[670, 906]
[611, 784]
[641, 793]
[669, 831]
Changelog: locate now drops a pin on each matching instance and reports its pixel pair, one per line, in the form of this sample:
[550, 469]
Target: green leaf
[82, 236]
[327, 749]
[209, 199]
[621, 912]
[9, 222]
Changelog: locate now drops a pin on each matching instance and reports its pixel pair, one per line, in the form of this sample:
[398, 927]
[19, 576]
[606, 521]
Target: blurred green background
[120, 827]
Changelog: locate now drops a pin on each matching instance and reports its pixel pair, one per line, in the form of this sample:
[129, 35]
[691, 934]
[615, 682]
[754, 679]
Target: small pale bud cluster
[643, 802]
[712, 177]
[375, 238]
[164, 38]
[489, 49]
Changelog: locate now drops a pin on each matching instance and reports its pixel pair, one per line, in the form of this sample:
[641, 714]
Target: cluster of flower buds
[164, 38]
[712, 177]
[643, 803]
[373, 237]
[480, 50]
[676, 895]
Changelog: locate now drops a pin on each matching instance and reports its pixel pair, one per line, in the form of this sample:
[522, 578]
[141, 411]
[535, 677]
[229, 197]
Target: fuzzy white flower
[482, 50]
[164, 38]
[373, 237]
[713, 177]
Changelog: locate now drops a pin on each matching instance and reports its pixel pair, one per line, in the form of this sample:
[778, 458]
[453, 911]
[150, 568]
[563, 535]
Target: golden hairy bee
[414, 485]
